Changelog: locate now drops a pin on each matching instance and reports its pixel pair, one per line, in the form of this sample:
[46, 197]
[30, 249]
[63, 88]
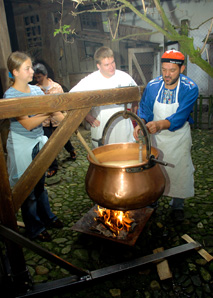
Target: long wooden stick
[91, 154]
[201, 251]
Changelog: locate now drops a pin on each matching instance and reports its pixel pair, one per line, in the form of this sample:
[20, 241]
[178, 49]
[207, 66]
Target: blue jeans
[36, 212]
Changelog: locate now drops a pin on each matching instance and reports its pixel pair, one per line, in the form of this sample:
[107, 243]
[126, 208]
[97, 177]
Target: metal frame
[82, 276]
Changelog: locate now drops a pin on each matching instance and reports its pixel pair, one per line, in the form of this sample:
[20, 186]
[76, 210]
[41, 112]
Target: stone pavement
[192, 276]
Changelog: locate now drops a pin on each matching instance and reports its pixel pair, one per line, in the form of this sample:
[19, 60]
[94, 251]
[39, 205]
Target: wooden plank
[31, 105]
[163, 269]
[201, 251]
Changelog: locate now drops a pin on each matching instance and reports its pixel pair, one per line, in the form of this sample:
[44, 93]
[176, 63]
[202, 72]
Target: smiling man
[107, 77]
[165, 107]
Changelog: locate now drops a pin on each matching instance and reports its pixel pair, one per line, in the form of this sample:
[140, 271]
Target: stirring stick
[92, 155]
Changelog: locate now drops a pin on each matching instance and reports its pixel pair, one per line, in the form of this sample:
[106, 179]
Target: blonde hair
[101, 53]
[14, 61]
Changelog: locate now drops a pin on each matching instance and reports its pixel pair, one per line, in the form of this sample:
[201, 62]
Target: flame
[115, 220]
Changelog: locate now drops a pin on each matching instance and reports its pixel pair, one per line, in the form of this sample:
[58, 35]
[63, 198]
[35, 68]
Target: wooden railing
[203, 112]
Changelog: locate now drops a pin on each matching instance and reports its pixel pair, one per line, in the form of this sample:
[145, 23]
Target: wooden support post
[163, 269]
[201, 251]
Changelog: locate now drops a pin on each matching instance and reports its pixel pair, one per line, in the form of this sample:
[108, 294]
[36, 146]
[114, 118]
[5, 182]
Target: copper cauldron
[125, 187]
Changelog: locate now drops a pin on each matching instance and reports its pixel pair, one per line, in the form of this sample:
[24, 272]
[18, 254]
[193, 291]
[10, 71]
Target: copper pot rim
[108, 147]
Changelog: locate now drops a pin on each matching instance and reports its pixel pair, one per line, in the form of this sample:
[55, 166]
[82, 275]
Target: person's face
[171, 73]
[25, 72]
[107, 67]
[39, 78]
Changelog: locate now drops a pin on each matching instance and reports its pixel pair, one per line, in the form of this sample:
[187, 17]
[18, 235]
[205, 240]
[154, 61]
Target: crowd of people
[165, 108]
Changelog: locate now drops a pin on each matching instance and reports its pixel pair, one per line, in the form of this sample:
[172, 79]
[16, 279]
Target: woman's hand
[58, 116]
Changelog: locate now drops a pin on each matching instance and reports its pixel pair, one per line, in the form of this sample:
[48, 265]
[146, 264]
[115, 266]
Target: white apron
[120, 131]
[19, 150]
[175, 148]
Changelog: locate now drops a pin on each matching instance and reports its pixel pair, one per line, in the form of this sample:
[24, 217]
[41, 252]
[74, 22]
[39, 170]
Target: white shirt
[121, 129]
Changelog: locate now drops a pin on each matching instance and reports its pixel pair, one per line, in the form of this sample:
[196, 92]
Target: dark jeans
[36, 212]
[68, 146]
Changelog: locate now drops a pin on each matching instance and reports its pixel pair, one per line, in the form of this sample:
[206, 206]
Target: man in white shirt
[107, 77]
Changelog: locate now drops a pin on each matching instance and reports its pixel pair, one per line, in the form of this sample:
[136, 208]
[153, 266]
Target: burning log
[113, 223]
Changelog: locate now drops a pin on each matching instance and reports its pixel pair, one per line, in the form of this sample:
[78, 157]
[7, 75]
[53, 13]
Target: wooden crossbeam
[48, 103]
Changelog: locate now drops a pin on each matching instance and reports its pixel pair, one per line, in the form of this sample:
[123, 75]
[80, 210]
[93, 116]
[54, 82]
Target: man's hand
[156, 126]
[92, 121]
[136, 132]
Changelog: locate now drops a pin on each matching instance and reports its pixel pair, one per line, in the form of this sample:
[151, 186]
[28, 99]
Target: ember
[118, 222]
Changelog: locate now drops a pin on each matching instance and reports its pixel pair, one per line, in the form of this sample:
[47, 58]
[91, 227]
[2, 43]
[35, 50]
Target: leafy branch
[168, 30]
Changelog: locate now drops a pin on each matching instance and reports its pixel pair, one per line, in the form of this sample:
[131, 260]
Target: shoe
[57, 224]
[73, 155]
[51, 173]
[177, 215]
[44, 236]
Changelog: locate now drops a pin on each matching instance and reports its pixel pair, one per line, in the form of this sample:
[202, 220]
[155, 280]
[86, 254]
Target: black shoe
[51, 173]
[73, 155]
[56, 224]
[177, 215]
[44, 236]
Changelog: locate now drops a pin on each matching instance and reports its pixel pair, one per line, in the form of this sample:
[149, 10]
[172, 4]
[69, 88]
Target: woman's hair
[101, 53]
[15, 60]
[40, 69]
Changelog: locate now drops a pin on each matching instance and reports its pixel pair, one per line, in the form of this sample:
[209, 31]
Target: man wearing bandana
[165, 107]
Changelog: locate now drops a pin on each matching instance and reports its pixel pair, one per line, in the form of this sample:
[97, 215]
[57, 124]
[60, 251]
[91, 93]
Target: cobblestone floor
[191, 274]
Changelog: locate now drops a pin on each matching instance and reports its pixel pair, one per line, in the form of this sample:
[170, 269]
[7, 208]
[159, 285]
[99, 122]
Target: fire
[114, 220]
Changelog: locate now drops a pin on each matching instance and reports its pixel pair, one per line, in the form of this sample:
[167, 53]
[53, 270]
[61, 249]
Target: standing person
[107, 77]
[25, 139]
[49, 125]
[165, 107]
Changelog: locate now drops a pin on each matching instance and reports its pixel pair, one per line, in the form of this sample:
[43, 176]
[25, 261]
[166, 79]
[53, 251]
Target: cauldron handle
[126, 114]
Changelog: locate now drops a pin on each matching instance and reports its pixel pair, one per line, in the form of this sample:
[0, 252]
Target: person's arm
[58, 116]
[156, 126]
[92, 120]
[31, 122]
[186, 102]
[86, 84]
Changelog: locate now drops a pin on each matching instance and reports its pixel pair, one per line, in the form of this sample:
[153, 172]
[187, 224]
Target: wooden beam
[31, 105]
